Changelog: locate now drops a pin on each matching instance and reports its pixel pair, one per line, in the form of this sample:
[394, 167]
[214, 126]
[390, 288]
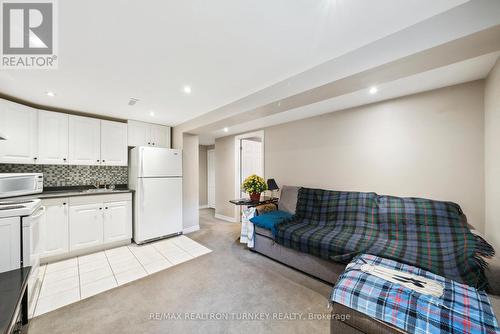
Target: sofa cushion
[270, 219]
[288, 199]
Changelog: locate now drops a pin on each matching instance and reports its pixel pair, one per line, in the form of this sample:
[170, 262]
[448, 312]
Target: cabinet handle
[64, 159]
[100, 208]
[104, 161]
[106, 208]
[149, 143]
[64, 203]
[35, 158]
[97, 160]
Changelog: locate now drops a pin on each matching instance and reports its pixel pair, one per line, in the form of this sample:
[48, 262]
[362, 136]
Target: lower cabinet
[117, 221]
[54, 228]
[85, 222]
[85, 226]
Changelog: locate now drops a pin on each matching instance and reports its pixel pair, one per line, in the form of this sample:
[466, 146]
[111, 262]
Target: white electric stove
[20, 221]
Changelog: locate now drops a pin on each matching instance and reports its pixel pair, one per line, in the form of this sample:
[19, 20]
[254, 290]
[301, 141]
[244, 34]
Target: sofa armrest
[493, 275]
[262, 209]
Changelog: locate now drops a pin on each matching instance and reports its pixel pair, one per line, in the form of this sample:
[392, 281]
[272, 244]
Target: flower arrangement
[254, 185]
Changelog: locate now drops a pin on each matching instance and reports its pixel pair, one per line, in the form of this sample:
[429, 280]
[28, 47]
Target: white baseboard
[226, 218]
[204, 206]
[191, 229]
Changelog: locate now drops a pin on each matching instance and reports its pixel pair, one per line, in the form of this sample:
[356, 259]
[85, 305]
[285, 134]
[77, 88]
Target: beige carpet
[230, 282]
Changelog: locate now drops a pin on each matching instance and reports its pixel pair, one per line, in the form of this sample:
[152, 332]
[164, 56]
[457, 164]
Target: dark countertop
[59, 192]
[12, 286]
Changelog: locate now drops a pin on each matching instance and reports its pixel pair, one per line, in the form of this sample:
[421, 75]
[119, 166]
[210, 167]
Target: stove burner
[12, 207]
[16, 202]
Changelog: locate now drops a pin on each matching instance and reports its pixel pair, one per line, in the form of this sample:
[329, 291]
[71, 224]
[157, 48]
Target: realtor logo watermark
[29, 34]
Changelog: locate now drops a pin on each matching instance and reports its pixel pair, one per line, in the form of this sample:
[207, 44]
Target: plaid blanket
[461, 309]
[432, 235]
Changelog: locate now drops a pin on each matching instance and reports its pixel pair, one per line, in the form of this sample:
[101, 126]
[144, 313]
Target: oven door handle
[39, 213]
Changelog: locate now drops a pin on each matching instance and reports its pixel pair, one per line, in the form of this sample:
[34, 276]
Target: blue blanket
[270, 219]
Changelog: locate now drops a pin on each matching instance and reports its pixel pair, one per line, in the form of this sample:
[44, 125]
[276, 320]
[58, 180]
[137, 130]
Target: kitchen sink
[100, 190]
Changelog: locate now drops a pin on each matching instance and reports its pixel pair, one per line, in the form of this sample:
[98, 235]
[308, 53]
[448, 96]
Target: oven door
[32, 250]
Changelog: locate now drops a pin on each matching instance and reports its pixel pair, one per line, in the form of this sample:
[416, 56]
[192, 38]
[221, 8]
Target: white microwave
[20, 184]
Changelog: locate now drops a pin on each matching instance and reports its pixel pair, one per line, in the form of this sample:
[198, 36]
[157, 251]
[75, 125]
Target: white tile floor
[71, 280]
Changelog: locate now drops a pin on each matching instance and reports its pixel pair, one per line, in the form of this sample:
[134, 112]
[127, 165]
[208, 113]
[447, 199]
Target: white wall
[427, 145]
[492, 155]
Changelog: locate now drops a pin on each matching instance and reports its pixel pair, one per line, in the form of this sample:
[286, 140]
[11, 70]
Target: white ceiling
[465, 71]
[110, 51]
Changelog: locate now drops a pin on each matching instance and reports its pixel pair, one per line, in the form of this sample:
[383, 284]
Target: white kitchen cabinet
[54, 232]
[18, 123]
[84, 140]
[52, 138]
[139, 133]
[85, 226]
[147, 134]
[114, 150]
[160, 136]
[117, 221]
[10, 243]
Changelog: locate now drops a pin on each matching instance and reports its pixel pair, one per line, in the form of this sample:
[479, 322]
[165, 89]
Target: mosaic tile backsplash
[70, 175]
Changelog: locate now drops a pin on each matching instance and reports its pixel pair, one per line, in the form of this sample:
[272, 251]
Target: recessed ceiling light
[373, 90]
[152, 113]
[187, 89]
[226, 129]
[51, 94]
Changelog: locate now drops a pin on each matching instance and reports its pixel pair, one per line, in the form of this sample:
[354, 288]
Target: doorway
[211, 178]
[249, 159]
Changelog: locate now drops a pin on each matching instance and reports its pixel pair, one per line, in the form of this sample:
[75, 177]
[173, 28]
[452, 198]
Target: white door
[85, 226]
[18, 124]
[160, 136]
[211, 178]
[10, 243]
[54, 231]
[139, 133]
[52, 138]
[84, 141]
[117, 221]
[158, 208]
[114, 143]
[159, 162]
[251, 159]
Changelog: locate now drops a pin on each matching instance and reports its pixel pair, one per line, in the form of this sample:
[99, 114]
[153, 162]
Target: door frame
[208, 177]
[237, 165]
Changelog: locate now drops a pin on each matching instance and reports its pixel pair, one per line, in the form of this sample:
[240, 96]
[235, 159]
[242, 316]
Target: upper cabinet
[114, 143]
[147, 134]
[18, 124]
[84, 141]
[52, 138]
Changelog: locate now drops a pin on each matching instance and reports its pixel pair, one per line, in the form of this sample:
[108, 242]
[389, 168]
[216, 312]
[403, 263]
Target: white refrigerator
[155, 174]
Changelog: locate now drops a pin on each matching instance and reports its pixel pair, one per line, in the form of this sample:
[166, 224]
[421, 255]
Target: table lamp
[272, 185]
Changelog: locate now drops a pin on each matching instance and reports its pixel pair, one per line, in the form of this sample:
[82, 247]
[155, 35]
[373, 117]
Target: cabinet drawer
[77, 200]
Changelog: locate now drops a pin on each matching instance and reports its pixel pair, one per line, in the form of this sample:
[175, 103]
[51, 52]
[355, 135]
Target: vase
[255, 197]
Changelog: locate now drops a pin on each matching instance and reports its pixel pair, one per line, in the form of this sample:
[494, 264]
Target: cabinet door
[10, 244]
[84, 141]
[18, 124]
[54, 232]
[139, 134]
[113, 143]
[160, 136]
[85, 226]
[52, 138]
[117, 221]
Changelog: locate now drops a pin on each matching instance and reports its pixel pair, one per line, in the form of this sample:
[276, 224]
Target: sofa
[328, 271]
